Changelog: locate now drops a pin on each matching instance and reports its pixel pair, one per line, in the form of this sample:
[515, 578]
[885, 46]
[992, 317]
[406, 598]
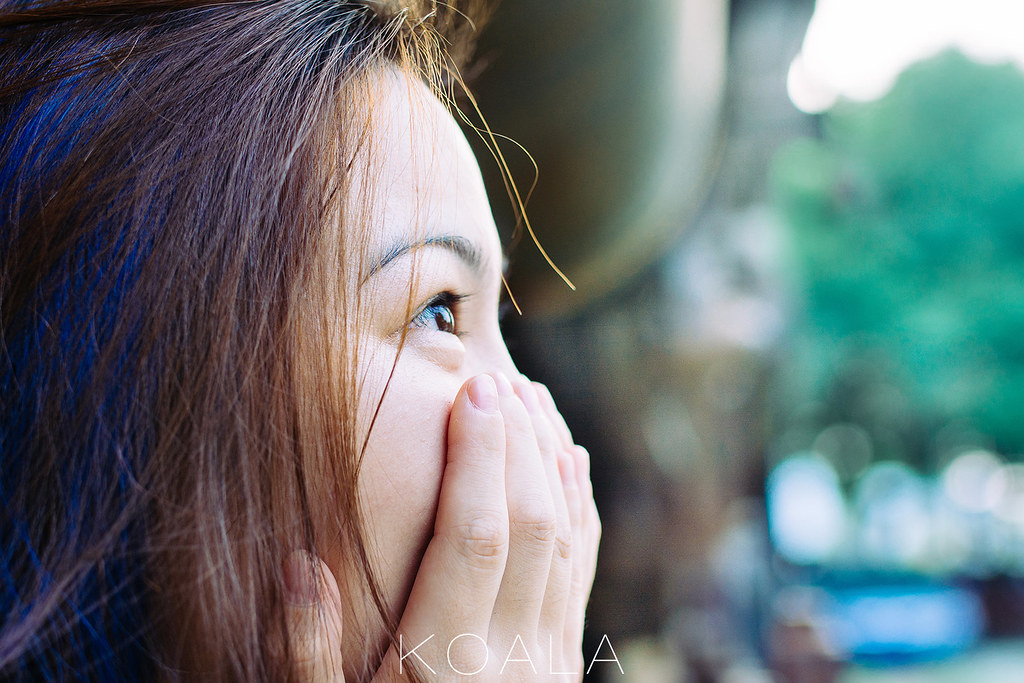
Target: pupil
[444, 319]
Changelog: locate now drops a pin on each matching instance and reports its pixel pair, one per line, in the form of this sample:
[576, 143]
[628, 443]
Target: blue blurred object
[892, 623]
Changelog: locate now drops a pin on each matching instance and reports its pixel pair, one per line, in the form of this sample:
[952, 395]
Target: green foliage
[907, 226]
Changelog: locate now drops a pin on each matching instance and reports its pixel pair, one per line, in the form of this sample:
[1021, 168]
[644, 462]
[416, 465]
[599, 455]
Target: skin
[478, 501]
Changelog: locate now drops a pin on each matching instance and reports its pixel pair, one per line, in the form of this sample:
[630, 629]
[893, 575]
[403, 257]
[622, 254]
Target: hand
[503, 585]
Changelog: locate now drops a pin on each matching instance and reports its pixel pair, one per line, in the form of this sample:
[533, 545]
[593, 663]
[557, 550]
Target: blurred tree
[907, 228]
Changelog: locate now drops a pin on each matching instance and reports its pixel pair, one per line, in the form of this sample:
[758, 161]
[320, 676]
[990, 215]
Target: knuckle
[534, 520]
[482, 540]
[564, 545]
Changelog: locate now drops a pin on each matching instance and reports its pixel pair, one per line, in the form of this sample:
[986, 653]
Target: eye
[439, 314]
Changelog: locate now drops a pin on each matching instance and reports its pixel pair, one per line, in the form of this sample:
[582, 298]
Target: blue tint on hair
[51, 351]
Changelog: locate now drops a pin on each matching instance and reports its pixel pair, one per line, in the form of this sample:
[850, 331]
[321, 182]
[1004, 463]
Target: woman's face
[434, 274]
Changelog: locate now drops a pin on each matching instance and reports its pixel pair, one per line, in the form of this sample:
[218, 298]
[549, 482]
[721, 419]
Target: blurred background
[795, 348]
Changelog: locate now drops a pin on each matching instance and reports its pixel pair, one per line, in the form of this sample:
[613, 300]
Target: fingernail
[504, 386]
[529, 397]
[300, 578]
[483, 393]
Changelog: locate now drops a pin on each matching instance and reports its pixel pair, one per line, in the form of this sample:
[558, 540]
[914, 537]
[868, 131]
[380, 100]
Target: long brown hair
[169, 174]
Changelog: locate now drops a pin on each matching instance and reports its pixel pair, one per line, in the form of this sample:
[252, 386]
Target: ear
[314, 618]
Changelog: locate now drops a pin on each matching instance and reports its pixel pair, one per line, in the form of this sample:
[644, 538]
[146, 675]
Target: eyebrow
[468, 252]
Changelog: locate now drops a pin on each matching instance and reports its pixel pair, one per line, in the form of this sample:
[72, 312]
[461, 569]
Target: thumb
[313, 611]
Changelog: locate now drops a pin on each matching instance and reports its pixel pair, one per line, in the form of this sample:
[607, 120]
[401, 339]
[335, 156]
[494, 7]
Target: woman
[258, 419]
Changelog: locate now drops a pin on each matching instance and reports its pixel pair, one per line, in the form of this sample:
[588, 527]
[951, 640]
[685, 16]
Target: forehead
[422, 178]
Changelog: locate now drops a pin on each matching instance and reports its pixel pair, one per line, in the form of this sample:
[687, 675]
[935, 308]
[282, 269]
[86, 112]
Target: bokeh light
[806, 510]
[855, 49]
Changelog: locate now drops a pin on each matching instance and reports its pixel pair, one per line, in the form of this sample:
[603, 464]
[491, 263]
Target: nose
[493, 357]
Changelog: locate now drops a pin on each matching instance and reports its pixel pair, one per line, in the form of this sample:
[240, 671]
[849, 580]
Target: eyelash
[428, 314]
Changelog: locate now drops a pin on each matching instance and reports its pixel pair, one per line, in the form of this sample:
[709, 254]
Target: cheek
[406, 451]
[400, 478]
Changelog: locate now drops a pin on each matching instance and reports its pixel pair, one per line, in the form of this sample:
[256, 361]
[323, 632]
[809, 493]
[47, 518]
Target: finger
[591, 519]
[557, 421]
[313, 614]
[567, 470]
[571, 489]
[565, 458]
[532, 521]
[589, 531]
[553, 610]
[458, 579]
[572, 632]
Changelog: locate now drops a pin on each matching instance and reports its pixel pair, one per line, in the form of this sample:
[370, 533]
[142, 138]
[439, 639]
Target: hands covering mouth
[503, 586]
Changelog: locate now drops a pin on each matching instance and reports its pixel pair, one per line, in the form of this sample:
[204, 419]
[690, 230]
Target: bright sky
[856, 48]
